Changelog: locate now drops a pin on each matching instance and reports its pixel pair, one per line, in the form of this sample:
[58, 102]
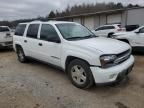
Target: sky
[20, 9]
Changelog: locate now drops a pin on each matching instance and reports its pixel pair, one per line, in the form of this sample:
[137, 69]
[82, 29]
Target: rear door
[18, 37]
[31, 41]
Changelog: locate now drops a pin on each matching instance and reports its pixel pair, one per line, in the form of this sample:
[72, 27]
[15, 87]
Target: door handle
[25, 41]
[40, 44]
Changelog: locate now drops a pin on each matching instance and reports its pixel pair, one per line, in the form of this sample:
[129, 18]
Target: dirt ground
[37, 85]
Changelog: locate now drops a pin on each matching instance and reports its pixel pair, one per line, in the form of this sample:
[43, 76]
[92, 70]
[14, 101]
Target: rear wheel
[110, 35]
[80, 74]
[21, 56]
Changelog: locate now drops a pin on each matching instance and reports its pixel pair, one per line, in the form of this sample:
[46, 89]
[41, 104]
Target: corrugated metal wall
[129, 17]
[135, 16]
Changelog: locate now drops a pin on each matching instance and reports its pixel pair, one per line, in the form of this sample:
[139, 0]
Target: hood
[123, 35]
[105, 45]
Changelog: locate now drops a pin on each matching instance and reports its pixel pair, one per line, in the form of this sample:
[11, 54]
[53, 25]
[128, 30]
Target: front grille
[122, 56]
[7, 43]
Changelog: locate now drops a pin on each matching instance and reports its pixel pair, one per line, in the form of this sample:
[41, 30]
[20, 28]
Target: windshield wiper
[74, 38]
[85, 37]
[90, 36]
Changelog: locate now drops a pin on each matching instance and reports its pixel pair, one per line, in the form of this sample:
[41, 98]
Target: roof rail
[36, 21]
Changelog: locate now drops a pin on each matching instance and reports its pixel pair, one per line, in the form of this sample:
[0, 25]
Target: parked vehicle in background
[131, 27]
[85, 57]
[134, 38]
[5, 36]
[108, 30]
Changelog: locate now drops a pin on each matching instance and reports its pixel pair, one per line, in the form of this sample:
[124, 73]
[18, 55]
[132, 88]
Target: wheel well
[110, 34]
[70, 59]
[124, 40]
[17, 46]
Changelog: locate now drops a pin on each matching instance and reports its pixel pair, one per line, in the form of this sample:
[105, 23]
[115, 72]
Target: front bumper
[114, 73]
[6, 44]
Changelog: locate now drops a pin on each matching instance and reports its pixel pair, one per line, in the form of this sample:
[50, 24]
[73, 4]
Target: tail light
[119, 29]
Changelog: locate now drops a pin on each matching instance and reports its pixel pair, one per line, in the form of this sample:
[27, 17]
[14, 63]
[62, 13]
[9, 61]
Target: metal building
[130, 16]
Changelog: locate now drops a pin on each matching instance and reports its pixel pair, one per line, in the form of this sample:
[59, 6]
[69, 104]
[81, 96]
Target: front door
[140, 37]
[49, 50]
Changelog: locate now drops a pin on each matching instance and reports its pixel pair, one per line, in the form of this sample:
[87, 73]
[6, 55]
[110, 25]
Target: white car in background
[108, 30]
[5, 37]
[134, 38]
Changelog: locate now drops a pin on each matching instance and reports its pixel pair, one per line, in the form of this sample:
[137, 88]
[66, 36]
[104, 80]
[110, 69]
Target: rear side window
[20, 29]
[4, 29]
[32, 31]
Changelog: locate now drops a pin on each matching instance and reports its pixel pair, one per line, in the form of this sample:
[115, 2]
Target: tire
[110, 35]
[21, 56]
[81, 78]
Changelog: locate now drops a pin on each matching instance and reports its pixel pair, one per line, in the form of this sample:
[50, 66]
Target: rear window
[120, 26]
[20, 29]
[4, 29]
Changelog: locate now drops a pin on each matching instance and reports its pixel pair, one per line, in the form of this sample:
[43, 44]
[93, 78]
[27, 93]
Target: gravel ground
[37, 85]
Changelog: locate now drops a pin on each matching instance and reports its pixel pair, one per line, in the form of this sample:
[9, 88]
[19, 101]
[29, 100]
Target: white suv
[72, 47]
[134, 38]
[5, 37]
[108, 30]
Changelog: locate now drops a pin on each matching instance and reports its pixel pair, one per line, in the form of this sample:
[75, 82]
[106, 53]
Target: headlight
[107, 60]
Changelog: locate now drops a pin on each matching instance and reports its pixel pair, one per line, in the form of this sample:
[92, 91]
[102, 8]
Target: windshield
[74, 31]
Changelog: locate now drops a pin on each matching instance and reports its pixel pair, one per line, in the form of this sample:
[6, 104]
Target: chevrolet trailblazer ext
[85, 57]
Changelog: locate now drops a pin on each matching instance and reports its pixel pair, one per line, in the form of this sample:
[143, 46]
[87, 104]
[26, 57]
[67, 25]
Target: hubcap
[78, 74]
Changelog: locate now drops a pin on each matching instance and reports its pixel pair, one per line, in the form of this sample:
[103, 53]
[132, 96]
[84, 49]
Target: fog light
[112, 76]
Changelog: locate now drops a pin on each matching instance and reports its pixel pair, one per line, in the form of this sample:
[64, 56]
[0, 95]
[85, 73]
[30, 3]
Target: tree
[119, 5]
[51, 15]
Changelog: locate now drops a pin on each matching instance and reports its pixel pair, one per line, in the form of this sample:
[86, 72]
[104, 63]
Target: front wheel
[80, 74]
[21, 55]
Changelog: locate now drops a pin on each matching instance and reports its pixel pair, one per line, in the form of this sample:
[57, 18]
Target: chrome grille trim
[122, 57]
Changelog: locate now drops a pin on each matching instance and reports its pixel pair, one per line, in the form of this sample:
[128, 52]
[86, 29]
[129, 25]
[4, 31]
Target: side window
[141, 30]
[105, 28]
[32, 31]
[109, 27]
[20, 29]
[48, 33]
[101, 28]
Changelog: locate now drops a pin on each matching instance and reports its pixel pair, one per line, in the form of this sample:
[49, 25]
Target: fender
[16, 43]
[88, 57]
